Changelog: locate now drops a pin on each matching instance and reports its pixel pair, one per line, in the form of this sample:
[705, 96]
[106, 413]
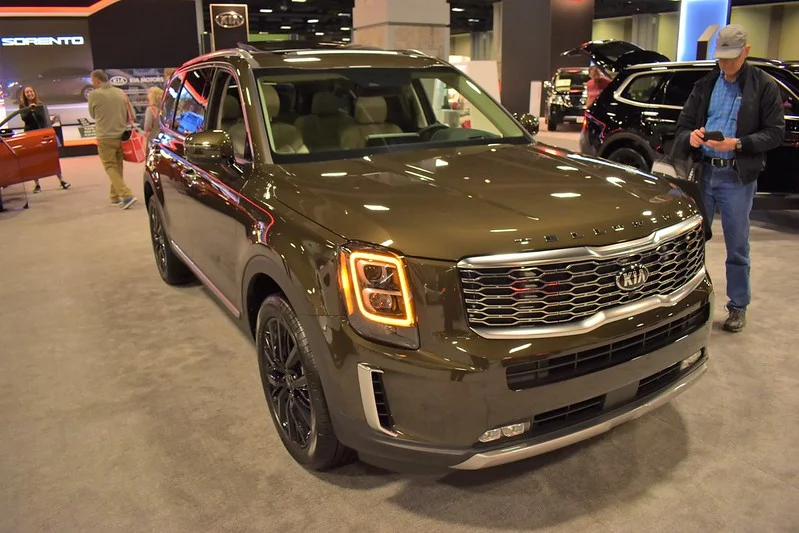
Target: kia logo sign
[229, 19]
[118, 80]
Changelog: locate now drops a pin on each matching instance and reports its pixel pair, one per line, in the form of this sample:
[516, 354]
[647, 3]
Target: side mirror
[209, 148]
[528, 122]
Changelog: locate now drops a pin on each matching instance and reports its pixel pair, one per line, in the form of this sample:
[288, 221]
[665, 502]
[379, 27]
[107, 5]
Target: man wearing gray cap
[739, 106]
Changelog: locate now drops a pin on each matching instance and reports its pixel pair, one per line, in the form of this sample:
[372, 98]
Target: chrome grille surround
[573, 291]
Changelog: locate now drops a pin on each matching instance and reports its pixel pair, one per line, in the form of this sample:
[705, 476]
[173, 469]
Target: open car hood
[613, 56]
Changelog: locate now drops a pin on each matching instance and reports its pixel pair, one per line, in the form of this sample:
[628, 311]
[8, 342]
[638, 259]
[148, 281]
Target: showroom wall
[757, 21]
[668, 28]
[789, 42]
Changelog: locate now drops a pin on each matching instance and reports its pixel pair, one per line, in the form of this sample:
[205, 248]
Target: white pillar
[403, 24]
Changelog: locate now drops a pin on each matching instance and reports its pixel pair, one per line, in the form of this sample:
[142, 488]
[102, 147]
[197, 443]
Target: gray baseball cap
[730, 42]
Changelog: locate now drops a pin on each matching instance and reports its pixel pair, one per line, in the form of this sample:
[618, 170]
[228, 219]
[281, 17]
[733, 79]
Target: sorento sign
[42, 41]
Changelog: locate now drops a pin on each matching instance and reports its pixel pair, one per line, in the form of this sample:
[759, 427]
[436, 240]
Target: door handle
[190, 176]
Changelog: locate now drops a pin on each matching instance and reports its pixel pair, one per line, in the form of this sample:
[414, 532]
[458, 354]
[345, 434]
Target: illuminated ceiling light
[285, 27]
[267, 10]
[566, 194]
[343, 14]
[298, 1]
[376, 208]
[458, 9]
[319, 33]
[345, 28]
[313, 21]
[346, 39]
[474, 20]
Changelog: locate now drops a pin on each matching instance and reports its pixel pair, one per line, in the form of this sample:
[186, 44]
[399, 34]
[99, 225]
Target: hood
[459, 202]
[613, 56]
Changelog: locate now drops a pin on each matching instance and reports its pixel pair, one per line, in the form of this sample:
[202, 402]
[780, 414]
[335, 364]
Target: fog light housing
[513, 430]
[691, 360]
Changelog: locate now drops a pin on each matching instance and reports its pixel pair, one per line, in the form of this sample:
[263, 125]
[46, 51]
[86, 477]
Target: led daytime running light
[352, 275]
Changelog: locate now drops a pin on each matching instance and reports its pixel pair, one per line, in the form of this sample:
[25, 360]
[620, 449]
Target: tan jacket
[109, 107]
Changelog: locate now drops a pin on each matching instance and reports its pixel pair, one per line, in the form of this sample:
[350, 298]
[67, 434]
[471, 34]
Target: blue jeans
[723, 189]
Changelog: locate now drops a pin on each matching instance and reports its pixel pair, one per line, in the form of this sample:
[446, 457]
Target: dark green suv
[426, 286]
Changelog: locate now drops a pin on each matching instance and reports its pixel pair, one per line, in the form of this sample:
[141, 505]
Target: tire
[293, 390]
[630, 157]
[552, 124]
[172, 270]
[85, 92]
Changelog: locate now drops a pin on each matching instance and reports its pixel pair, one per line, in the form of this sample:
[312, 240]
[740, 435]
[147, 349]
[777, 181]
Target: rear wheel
[293, 389]
[630, 157]
[172, 270]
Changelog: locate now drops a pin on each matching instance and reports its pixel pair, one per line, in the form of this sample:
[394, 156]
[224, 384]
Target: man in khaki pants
[110, 108]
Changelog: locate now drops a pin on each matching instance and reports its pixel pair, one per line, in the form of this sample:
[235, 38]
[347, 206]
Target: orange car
[27, 155]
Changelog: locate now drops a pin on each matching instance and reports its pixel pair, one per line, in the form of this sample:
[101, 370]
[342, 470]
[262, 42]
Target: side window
[643, 88]
[193, 101]
[679, 87]
[789, 102]
[167, 114]
[228, 114]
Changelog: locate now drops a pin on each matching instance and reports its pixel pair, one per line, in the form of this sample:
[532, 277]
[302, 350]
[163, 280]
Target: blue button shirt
[725, 102]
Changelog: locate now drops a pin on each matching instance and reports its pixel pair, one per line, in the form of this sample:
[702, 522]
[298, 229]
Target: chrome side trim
[582, 253]
[525, 451]
[598, 320]
[368, 398]
[204, 279]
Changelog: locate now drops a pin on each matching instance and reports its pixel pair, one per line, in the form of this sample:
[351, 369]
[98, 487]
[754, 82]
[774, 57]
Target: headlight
[377, 294]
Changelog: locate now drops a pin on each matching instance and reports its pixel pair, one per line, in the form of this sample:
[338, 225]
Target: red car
[26, 155]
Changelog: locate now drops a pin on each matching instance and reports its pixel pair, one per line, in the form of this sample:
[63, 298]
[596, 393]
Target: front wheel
[630, 157]
[293, 389]
[172, 270]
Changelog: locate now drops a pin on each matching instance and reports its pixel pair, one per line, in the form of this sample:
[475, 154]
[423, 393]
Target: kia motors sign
[229, 25]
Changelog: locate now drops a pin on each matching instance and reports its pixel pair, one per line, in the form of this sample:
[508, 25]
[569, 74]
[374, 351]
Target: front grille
[383, 413]
[564, 292]
[528, 374]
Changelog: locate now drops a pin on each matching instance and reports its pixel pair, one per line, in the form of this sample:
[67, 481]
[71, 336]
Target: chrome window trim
[582, 253]
[368, 398]
[617, 93]
[602, 318]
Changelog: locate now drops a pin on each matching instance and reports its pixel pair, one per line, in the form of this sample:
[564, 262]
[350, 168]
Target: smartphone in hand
[713, 136]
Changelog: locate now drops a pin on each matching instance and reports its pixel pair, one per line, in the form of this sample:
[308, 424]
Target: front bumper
[561, 113]
[423, 411]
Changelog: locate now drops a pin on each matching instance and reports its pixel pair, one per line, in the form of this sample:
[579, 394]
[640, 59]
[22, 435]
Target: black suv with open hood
[634, 120]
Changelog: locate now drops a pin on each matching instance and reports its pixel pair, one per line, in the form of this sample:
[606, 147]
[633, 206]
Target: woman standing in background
[35, 116]
[154, 96]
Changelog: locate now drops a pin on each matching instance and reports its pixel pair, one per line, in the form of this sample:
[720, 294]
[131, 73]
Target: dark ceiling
[467, 15]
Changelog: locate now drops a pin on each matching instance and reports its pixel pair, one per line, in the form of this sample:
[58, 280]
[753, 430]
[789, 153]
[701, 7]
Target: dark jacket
[761, 119]
[35, 117]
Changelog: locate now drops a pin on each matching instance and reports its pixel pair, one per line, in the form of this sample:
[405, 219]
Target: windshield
[355, 112]
[569, 80]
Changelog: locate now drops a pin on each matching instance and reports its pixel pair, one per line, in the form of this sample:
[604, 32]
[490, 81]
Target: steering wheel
[427, 132]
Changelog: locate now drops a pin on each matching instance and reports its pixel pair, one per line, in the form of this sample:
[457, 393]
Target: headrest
[231, 109]
[324, 103]
[272, 100]
[371, 110]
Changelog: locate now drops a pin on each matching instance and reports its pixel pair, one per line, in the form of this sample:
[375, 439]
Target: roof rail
[294, 45]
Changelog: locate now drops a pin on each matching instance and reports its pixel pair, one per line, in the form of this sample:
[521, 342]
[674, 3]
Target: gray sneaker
[127, 202]
[736, 320]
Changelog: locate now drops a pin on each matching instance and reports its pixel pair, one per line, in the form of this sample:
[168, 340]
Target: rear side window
[643, 88]
[679, 87]
[192, 101]
[167, 114]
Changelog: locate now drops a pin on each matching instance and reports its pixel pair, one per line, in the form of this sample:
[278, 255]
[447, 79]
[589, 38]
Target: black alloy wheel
[286, 383]
[630, 157]
[172, 270]
[293, 388]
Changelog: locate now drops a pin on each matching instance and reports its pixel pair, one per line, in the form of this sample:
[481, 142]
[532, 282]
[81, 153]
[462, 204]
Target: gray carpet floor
[126, 405]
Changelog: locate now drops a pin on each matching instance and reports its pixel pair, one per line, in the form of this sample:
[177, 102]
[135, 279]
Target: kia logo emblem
[229, 19]
[632, 277]
[118, 80]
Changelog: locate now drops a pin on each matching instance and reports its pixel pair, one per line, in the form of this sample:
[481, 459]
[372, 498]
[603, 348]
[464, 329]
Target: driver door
[27, 155]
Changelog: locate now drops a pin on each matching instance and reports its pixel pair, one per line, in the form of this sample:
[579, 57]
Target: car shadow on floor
[548, 490]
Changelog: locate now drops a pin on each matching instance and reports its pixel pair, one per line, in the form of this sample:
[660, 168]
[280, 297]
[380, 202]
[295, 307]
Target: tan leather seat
[321, 130]
[287, 138]
[370, 119]
[233, 124]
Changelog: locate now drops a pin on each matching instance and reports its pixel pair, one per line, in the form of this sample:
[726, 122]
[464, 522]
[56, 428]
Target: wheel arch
[627, 139]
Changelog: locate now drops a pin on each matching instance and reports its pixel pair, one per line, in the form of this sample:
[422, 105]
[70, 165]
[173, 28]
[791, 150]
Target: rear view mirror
[528, 122]
[209, 148]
